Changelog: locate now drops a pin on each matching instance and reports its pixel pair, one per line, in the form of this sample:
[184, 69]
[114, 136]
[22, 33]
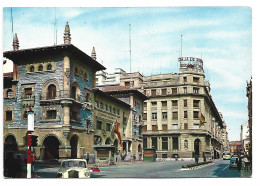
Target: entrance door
[51, 147]
[197, 147]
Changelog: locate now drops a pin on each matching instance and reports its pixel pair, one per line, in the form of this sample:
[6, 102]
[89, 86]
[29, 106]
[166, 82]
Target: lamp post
[29, 143]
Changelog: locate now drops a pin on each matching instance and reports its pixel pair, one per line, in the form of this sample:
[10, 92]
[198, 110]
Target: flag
[118, 133]
[202, 119]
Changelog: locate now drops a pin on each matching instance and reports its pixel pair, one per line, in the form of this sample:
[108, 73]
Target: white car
[73, 168]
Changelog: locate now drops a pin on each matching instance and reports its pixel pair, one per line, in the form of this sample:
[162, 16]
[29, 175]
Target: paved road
[166, 169]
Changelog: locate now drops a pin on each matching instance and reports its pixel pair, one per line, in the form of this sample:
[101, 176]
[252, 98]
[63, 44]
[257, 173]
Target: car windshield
[67, 164]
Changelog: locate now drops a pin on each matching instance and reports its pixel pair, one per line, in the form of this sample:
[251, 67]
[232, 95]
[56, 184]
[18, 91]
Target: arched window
[40, 68]
[73, 92]
[76, 71]
[49, 67]
[51, 92]
[32, 68]
[9, 93]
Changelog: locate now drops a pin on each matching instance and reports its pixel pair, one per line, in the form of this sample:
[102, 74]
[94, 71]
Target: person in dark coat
[239, 163]
[11, 166]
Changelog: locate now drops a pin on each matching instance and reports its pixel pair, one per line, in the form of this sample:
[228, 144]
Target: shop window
[9, 115]
[154, 143]
[175, 143]
[164, 156]
[164, 143]
[51, 114]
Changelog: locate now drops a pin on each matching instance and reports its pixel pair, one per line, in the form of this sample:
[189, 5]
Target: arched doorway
[197, 147]
[51, 148]
[52, 92]
[10, 144]
[74, 146]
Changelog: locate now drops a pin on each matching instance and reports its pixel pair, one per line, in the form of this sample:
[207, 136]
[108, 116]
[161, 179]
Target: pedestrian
[134, 157]
[239, 163]
[11, 166]
[247, 162]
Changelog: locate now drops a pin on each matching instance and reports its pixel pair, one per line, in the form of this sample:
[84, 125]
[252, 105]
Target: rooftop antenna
[181, 46]
[12, 22]
[130, 45]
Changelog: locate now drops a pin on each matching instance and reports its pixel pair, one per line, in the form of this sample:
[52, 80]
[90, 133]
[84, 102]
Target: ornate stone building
[249, 106]
[57, 83]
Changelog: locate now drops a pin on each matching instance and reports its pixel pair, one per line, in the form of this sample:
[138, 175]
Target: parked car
[226, 156]
[73, 168]
[233, 162]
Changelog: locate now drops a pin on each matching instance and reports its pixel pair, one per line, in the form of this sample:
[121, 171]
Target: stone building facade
[180, 117]
[107, 111]
[249, 106]
[57, 83]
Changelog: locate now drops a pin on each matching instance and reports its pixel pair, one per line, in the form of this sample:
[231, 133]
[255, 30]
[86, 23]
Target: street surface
[166, 169]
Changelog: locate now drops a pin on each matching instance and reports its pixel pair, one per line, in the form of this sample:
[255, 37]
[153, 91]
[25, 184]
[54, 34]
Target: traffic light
[34, 140]
[29, 140]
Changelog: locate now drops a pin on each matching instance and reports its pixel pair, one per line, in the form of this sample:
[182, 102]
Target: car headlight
[87, 174]
[59, 175]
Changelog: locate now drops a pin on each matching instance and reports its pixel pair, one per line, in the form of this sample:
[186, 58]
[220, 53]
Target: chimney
[66, 36]
[93, 54]
[15, 43]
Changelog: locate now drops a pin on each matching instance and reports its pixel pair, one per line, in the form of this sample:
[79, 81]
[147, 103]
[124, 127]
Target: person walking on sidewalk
[247, 162]
[134, 157]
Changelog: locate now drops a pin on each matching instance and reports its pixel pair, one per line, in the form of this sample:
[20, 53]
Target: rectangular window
[105, 107]
[99, 125]
[154, 115]
[164, 143]
[144, 128]
[196, 79]
[174, 90]
[96, 104]
[164, 115]
[145, 104]
[108, 127]
[196, 90]
[110, 109]
[154, 127]
[185, 90]
[164, 91]
[175, 143]
[28, 93]
[164, 103]
[196, 103]
[196, 126]
[144, 92]
[114, 110]
[185, 126]
[175, 115]
[8, 115]
[195, 114]
[154, 104]
[164, 156]
[184, 79]
[51, 114]
[101, 105]
[174, 126]
[153, 92]
[164, 127]
[127, 83]
[174, 103]
[145, 116]
[185, 103]
[154, 142]
[118, 112]
[185, 114]
[145, 143]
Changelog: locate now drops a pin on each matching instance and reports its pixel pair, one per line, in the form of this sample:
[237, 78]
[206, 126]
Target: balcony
[56, 95]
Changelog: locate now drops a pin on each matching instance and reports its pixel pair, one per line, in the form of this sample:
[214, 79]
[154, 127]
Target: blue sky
[222, 36]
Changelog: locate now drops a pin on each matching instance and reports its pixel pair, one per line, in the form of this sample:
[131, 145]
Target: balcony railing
[60, 94]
